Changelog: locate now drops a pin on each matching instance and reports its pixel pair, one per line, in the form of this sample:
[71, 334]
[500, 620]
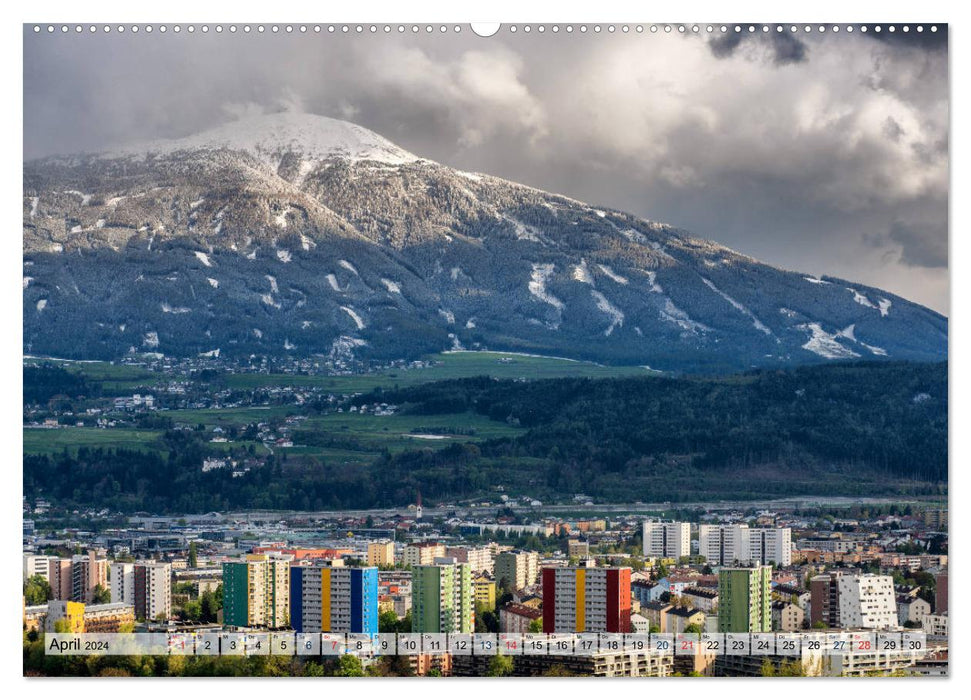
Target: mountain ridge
[303, 235]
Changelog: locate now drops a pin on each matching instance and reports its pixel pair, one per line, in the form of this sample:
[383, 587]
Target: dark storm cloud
[788, 49]
[785, 48]
[921, 244]
[799, 150]
[724, 45]
[926, 40]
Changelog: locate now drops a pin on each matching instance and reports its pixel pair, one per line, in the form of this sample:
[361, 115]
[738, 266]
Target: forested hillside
[849, 429]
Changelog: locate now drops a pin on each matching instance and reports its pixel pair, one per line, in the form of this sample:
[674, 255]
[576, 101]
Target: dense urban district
[483, 493]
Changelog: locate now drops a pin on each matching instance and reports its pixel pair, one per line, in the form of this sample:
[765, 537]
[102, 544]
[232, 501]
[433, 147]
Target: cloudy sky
[823, 153]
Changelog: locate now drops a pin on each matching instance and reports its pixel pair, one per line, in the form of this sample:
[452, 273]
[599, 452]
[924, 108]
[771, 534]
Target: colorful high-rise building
[485, 591]
[329, 597]
[442, 597]
[256, 592]
[745, 599]
[586, 599]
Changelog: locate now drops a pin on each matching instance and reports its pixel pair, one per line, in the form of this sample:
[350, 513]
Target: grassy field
[449, 365]
[52, 441]
[356, 439]
[452, 365]
[231, 416]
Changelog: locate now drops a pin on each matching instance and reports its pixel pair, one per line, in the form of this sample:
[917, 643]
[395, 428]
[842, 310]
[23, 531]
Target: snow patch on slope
[672, 314]
[332, 281]
[616, 315]
[825, 344]
[203, 258]
[392, 287]
[214, 283]
[354, 316]
[537, 285]
[738, 307]
[168, 309]
[606, 269]
[861, 299]
[885, 305]
[347, 266]
[581, 273]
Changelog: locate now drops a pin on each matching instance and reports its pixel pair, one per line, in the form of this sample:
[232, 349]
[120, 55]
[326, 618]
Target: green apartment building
[442, 598]
[745, 599]
[256, 592]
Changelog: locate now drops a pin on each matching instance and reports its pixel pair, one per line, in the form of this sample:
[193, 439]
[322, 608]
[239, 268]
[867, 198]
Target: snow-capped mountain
[296, 234]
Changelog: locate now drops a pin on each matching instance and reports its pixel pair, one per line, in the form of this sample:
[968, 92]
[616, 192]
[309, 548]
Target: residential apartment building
[940, 593]
[912, 609]
[705, 599]
[147, 585]
[88, 572]
[679, 618]
[76, 578]
[380, 553]
[70, 616]
[37, 565]
[787, 616]
[578, 549]
[586, 599]
[479, 559]
[256, 592]
[485, 591]
[744, 599]
[326, 596]
[442, 597]
[109, 618]
[727, 545]
[867, 601]
[59, 576]
[667, 539]
[935, 625]
[518, 618]
[516, 569]
[423, 553]
[824, 601]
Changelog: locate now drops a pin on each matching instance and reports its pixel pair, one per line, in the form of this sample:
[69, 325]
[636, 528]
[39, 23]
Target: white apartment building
[478, 558]
[724, 545]
[147, 585]
[667, 539]
[122, 582]
[516, 569]
[867, 601]
[423, 553]
[935, 625]
[36, 565]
